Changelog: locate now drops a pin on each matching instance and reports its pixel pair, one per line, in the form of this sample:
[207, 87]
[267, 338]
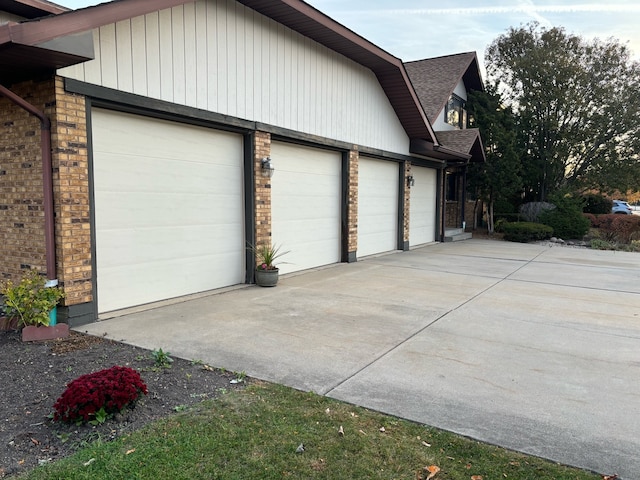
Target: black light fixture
[410, 181]
[267, 169]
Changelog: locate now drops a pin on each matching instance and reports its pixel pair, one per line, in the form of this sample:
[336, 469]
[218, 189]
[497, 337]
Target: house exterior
[442, 85]
[145, 143]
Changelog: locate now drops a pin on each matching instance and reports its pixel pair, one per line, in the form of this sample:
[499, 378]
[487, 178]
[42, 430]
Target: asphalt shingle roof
[435, 79]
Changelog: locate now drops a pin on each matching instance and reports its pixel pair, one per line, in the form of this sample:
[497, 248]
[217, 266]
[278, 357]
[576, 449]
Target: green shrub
[596, 204]
[600, 244]
[526, 231]
[29, 300]
[567, 219]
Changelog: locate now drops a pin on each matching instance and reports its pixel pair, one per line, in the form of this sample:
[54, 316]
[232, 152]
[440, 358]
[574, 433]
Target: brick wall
[21, 189]
[262, 149]
[352, 204]
[21, 194]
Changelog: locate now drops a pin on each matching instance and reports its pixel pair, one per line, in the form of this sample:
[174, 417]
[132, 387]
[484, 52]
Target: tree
[577, 104]
[499, 177]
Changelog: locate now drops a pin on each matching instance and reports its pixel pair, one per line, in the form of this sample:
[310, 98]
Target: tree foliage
[577, 104]
[498, 179]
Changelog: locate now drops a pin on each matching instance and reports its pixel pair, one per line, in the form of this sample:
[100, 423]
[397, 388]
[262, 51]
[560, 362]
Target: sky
[417, 29]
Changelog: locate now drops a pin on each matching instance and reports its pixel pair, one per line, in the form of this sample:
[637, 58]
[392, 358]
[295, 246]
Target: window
[455, 113]
[452, 185]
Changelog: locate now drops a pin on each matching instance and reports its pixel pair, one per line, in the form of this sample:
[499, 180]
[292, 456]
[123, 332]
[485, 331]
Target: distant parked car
[621, 207]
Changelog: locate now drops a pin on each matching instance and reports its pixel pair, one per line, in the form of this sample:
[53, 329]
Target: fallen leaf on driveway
[610, 477]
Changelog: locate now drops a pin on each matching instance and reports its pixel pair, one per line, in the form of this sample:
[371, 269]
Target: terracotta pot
[266, 278]
[34, 334]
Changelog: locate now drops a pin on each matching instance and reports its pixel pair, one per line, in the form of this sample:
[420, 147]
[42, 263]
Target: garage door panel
[144, 246]
[422, 220]
[306, 199]
[169, 209]
[129, 210]
[377, 206]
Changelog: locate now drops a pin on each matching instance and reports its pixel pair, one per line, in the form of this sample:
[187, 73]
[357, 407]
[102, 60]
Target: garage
[422, 219]
[169, 214]
[377, 206]
[306, 205]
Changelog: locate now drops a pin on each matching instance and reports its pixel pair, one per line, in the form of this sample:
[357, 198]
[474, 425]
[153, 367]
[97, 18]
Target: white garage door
[168, 209]
[422, 220]
[377, 206]
[305, 205]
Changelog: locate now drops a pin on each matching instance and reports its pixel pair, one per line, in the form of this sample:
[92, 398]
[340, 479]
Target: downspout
[47, 180]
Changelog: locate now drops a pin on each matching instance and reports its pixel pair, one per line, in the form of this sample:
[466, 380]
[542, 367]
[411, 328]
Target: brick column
[352, 205]
[407, 205]
[71, 195]
[262, 149]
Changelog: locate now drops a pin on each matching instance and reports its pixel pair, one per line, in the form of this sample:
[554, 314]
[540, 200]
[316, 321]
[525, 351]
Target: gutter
[47, 180]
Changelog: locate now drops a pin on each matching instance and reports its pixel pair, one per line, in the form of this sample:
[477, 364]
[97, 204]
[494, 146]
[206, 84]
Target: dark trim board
[132, 103]
[249, 205]
[92, 207]
[344, 207]
[77, 315]
[138, 104]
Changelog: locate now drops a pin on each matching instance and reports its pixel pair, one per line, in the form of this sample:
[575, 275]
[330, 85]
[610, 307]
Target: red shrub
[616, 227]
[626, 227]
[112, 389]
[593, 219]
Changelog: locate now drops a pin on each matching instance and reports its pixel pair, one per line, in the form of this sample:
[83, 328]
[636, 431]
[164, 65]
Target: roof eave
[295, 14]
[31, 8]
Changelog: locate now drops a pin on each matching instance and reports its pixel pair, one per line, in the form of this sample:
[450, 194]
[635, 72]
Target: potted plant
[266, 270]
[33, 305]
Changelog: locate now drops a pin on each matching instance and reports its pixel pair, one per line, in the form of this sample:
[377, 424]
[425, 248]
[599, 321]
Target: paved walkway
[531, 347]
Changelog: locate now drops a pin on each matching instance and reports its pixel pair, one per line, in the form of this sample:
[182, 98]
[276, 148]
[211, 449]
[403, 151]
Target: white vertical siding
[220, 56]
[440, 125]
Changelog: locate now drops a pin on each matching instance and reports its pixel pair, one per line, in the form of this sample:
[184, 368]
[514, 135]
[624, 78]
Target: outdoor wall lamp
[267, 169]
[410, 181]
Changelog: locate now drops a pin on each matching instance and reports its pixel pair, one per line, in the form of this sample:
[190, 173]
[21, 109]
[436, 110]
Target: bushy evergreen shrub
[567, 219]
[597, 204]
[524, 232]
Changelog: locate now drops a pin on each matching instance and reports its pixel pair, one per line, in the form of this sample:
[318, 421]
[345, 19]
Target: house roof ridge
[295, 14]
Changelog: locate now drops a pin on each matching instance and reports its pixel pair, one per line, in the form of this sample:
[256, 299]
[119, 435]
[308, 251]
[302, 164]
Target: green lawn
[254, 434]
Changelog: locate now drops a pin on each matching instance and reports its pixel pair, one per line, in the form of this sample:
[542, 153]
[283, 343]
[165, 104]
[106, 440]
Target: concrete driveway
[530, 347]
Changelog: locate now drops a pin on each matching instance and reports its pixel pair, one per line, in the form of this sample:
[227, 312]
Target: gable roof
[435, 79]
[467, 141]
[28, 45]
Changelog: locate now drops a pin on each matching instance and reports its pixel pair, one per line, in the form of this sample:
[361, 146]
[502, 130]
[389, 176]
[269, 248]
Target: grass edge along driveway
[268, 431]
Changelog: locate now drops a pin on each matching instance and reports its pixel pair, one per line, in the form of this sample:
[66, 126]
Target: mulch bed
[34, 375]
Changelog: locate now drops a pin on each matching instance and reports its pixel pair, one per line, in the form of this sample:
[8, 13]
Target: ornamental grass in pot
[266, 270]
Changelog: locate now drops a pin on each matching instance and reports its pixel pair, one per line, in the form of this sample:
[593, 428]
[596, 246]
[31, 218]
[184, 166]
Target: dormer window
[455, 113]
